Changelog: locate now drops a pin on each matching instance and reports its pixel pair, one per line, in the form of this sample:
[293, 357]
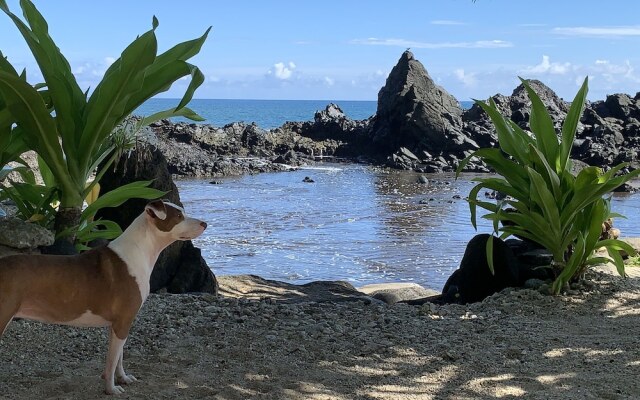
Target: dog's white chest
[137, 265]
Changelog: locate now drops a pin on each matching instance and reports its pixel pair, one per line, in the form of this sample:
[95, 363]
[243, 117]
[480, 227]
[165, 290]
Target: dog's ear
[156, 209]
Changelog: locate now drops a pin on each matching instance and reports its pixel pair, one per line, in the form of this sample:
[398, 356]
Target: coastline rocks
[417, 115]
[180, 268]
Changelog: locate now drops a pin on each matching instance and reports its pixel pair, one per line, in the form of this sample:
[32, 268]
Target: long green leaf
[570, 124]
[170, 113]
[550, 175]
[38, 126]
[119, 195]
[542, 127]
[503, 130]
[166, 69]
[106, 106]
[63, 88]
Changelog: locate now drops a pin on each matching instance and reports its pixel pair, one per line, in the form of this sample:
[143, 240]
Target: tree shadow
[516, 344]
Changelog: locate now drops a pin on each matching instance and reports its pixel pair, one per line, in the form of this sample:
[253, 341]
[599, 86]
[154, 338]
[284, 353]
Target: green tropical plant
[546, 203]
[70, 129]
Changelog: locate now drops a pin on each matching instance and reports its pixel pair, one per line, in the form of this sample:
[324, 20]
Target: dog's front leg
[114, 357]
[121, 377]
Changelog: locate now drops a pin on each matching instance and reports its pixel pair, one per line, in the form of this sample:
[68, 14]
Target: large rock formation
[180, 267]
[416, 114]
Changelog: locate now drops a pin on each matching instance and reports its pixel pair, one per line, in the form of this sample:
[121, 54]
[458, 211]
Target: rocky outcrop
[418, 126]
[417, 115]
[180, 267]
[611, 133]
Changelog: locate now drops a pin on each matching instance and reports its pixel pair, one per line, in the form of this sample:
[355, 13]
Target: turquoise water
[267, 114]
[355, 223]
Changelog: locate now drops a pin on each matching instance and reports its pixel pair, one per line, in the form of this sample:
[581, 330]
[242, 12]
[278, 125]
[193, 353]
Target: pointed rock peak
[540, 88]
[407, 55]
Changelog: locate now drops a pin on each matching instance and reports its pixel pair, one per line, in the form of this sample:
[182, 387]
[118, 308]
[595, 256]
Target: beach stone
[255, 287]
[633, 242]
[392, 293]
[19, 234]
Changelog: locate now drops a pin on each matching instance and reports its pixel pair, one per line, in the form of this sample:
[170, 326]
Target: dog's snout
[203, 225]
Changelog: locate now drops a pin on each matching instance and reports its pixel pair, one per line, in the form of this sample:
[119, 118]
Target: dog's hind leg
[4, 324]
[8, 308]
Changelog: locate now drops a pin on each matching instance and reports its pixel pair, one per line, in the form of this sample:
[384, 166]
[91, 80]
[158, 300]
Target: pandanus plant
[71, 129]
[546, 203]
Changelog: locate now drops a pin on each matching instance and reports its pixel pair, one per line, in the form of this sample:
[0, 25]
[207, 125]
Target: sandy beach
[515, 343]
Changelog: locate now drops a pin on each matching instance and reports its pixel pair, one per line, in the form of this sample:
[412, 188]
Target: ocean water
[267, 114]
[354, 223]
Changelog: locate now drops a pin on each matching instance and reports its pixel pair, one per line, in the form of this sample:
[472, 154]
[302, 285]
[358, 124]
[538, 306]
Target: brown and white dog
[105, 286]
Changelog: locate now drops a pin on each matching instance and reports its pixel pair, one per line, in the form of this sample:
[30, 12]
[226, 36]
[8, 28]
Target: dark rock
[215, 182]
[308, 180]
[416, 114]
[179, 260]
[193, 274]
[626, 188]
[473, 281]
[423, 180]
[621, 106]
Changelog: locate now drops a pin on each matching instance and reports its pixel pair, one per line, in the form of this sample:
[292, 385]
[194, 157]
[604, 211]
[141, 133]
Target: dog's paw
[125, 379]
[114, 390]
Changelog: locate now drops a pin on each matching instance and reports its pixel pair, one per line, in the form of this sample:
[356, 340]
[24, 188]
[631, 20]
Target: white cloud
[446, 22]
[109, 60]
[548, 67]
[329, 81]
[480, 44]
[282, 71]
[598, 31]
[467, 79]
[615, 73]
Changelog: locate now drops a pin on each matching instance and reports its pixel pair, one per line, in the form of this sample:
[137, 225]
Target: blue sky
[344, 50]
